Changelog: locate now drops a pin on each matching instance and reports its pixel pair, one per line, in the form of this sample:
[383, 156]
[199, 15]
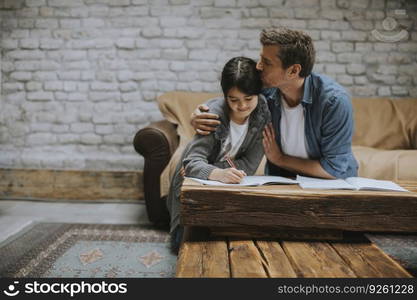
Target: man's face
[273, 74]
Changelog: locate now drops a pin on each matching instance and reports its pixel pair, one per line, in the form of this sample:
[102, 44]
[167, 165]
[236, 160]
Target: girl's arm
[250, 160]
[195, 160]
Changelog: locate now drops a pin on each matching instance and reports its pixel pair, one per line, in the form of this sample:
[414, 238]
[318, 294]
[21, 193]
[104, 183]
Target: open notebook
[250, 181]
[351, 183]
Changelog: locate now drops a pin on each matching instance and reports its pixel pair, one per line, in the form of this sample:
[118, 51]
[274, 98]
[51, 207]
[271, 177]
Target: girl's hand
[230, 175]
[272, 151]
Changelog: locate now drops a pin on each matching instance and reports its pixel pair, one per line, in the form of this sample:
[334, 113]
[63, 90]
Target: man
[312, 118]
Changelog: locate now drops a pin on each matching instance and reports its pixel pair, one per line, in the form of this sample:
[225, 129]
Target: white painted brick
[92, 23]
[105, 76]
[46, 23]
[104, 96]
[70, 23]
[40, 96]
[77, 97]
[126, 43]
[21, 76]
[40, 139]
[81, 127]
[354, 35]
[103, 129]
[356, 69]
[332, 14]
[40, 127]
[363, 47]
[119, 2]
[13, 86]
[128, 86]
[179, 54]
[384, 91]
[29, 43]
[342, 46]
[151, 32]
[65, 3]
[399, 91]
[101, 86]
[125, 75]
[17, 97]
[113, 139]
[8, 44]
[335, 68]
[349, 57]
[330, 35]
[91, 139]
[19, 34]
[26, 23]
[33, 86]
[35, 3]
[386, 69]
[325, 56]
[87, 75]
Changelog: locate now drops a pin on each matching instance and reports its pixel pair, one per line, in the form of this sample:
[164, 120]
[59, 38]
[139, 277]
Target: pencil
[230, 162]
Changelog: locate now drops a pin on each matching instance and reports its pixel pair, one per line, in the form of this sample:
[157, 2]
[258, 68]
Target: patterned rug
[87, 250]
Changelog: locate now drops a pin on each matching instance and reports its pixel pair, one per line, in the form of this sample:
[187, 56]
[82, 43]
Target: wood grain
[275, 260]
[32, 184]
[245, 260]
[202, 256]
[291, 206]
[316, 259]
[277, 232]
[367, 260]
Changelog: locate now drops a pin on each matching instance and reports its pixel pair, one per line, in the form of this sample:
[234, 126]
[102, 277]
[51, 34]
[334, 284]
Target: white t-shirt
[292, 130]
[234, 140]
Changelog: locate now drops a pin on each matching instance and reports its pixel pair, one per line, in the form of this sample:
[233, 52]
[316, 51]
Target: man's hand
[272, 151]
[203, 121]
[230, 175]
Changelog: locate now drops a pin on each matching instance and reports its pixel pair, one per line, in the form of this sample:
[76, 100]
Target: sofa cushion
[385, 123]
[386, 164]
[177, 108]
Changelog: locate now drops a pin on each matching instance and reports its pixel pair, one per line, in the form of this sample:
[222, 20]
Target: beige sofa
[385, 142]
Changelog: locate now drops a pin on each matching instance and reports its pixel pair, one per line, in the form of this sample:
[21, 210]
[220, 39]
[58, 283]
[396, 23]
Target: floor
[16, 215]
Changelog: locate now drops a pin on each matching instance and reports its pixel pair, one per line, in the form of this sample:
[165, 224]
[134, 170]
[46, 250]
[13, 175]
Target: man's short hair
[295, 47]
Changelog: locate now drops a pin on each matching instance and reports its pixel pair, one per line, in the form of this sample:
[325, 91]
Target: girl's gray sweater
[201, 156]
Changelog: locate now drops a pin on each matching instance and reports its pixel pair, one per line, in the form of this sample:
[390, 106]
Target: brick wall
[80, 77]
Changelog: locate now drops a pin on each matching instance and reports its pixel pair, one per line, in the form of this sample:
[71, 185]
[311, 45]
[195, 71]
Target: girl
[243, 114]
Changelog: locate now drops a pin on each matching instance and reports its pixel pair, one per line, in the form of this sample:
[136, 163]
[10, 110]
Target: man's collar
[308, 85]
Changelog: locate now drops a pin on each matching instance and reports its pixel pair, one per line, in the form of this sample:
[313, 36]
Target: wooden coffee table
[283, 210]
[284, 231]
[204, 256]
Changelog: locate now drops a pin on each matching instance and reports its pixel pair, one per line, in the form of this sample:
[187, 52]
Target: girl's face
[241, 105]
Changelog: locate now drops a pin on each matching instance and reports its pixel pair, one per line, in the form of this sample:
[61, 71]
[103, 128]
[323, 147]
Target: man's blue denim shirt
[328, 125]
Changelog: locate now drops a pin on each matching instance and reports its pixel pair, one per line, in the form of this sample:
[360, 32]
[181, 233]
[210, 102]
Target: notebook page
[249, 181]
[260, 180]
[373, 184]
[325, 184]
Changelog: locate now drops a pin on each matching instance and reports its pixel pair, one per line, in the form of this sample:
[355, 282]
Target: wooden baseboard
[31, 184]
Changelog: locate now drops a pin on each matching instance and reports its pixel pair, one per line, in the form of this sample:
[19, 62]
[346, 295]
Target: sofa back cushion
[385, 123]
[379, 122]
[177, 108]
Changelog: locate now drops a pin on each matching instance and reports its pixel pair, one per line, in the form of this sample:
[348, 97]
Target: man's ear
[294, 71]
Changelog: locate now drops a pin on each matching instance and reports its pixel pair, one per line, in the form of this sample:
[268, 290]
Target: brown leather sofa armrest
[156, 143]
[157, 136]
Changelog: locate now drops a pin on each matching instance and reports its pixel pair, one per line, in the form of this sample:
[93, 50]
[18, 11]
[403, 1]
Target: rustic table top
[291, 206]
[203, 256]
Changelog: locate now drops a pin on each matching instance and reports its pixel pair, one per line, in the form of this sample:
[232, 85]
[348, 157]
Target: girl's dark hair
[241, 72]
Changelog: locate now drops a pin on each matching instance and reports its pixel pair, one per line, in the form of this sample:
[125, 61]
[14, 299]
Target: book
[351, 183]
[250, 181]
